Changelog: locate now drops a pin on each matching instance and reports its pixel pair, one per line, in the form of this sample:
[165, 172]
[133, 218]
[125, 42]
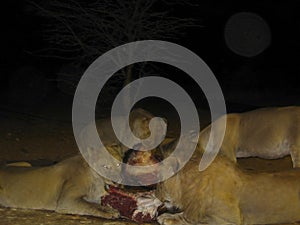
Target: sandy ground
[42, 135]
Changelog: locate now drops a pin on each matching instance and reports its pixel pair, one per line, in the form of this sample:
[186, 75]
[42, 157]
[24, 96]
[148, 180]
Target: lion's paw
[114, 214]
[109, 213]
[171, 219]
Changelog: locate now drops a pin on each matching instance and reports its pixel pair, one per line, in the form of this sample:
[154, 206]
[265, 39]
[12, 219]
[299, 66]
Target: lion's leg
[82, 207]
[229, 152]
[178, 219]
[295, 154]
[226, 212]
[218, 221]
[172, 219]
[71, 201]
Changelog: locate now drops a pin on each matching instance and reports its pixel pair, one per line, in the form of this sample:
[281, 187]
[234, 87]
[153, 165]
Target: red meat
[127, 204]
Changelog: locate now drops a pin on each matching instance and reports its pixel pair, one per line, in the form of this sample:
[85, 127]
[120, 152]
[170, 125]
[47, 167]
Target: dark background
[268, 79]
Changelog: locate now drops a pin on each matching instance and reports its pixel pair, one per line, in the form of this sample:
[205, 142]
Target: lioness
[268, 133]
[70, 186]
[224, 194]
[139, 121]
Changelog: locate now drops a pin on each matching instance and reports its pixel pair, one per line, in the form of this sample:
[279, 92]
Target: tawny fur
[224, 194]
[268, 133]
[70, 186]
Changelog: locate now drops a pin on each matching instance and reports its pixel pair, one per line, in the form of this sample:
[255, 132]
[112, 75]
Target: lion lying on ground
[268, 133]
[224, 194]
[70, 186]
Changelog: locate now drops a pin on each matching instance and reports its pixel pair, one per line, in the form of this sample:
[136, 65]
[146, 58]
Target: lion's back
[268, 132]
[35, 188]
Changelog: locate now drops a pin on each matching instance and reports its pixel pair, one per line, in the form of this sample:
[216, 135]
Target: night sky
[275, 70]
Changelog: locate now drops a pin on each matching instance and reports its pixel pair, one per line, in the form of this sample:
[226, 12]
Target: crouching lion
[224, 194]
[70, 186]
[268, 133]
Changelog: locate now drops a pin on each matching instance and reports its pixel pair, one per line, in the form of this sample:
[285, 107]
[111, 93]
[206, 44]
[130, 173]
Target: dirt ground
[43, 135]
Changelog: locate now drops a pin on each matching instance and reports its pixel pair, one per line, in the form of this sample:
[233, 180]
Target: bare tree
[82, 31]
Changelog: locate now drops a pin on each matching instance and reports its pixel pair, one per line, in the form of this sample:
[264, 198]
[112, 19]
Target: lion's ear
[167, 141]
[116, 151]
[170, 166]
[138, 112]
[165, 121]
[167, 146]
